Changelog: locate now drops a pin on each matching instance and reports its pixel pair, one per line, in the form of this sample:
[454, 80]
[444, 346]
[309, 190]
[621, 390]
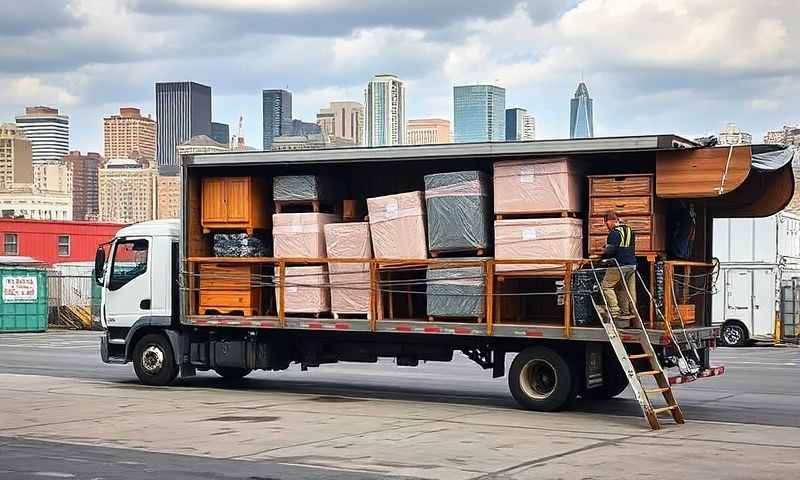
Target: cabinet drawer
[227, 299]
[621, 205]
[621, 185]
[597, 242]
[642, 225]
[226, 277]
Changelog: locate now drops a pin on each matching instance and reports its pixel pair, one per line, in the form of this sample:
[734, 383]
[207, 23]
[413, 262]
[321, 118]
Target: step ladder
[626, 359]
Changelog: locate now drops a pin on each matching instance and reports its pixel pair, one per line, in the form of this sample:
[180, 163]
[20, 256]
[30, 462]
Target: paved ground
[370, 421]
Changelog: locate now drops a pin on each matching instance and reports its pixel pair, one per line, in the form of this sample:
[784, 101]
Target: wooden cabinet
[234, 203]
[632, 197]
[227, 289]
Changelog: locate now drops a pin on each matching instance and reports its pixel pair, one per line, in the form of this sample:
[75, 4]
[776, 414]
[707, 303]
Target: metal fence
[790, 309]
[73, 297]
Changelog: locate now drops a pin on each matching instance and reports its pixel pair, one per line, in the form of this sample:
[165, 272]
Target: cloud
[31, 90]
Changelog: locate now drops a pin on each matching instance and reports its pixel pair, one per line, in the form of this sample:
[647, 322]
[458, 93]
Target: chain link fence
[73, 297]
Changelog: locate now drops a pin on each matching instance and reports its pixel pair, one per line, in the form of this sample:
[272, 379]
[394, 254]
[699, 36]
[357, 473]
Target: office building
[53, 176]
[183, 110]
[314, 141]
[733, 136]
[299, 127]
[428, 131]
[200, 144]
[581, 118]
[126, 191]
[343, 121]
[221, 133]
[130, 135]
[16, 157]
[384, 111]
[26, 201]
[168, 197]
[277, 115]
[85, 171]
[479, 113]
[520, 125]
[48, 132]
[788, 135]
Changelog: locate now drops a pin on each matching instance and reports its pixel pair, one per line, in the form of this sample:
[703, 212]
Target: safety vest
[625, 235]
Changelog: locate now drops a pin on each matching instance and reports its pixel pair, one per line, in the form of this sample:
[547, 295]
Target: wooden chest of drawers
[632, 197]
[228, 289]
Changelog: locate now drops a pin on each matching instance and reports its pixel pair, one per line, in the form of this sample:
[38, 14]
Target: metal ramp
[648, 357]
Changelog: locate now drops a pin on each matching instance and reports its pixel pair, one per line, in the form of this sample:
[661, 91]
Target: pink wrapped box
[349, 240]
[397, 224]
[553, 184]
[300, 235]
[306, 290]
[537, 238]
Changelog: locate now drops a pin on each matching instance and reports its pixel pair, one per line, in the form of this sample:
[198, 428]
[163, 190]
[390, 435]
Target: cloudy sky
[652, 66]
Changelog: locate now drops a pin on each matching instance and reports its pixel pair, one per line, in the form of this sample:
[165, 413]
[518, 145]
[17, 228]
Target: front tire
[541, 379]
[154, 361]
[232, 373]
[733, 335]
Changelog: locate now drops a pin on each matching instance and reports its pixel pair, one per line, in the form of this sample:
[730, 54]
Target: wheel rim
[732, 335]
[152, 360]
[538, 379]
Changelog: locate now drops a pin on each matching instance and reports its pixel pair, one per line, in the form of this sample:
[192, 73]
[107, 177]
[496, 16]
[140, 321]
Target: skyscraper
[428, 131]
[581, 121]
[385, 111]
[48, 132]
[183, 110]
[520, 125]
[125, 191]
[277, 115]
[85, 169]
[16, 164]
[343, 121]
[221, 133]
[479, 113]
[128, 135]
[733, 136]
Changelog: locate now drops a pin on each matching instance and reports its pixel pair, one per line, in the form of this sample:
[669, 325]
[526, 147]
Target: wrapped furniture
[457, 208]
[349, 240]
[537, 238]
[300, 235]
[397, 226]
[306, 290]
[456, 292]
[545, 185]
[304, 189]
[238, 245]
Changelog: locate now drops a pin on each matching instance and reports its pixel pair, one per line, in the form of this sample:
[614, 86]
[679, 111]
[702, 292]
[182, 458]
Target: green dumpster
[23, 300]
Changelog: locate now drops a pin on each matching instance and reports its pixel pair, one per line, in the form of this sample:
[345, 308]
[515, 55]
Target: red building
[52, 241]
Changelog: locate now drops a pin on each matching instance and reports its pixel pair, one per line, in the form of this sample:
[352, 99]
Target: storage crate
[23, 300]
[458, 210]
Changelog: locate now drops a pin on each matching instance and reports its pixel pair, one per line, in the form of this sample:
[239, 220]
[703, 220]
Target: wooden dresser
[633, 198]
[235, 203]
[226, 289]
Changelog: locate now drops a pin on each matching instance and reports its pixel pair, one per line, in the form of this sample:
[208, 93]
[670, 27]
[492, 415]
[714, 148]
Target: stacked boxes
[397, 224]
[458, 211]
[300, 235]
[456, 292]
[538, 238]
[350, 282]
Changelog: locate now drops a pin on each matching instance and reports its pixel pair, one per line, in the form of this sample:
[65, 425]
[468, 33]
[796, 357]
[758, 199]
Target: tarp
[458, 211]
[455, 292]
[772, 157]
[303, 188]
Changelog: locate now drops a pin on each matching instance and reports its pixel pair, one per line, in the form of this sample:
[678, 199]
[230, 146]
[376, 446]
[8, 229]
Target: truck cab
[138, 273]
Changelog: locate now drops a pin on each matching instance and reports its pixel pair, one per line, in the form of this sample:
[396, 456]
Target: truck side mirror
[99, 265]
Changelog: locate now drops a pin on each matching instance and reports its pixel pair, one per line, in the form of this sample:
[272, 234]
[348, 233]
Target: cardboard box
[397, 224]
[300, 235]
[349, 240]
[306, 290]
[547, 185]
[537, 238]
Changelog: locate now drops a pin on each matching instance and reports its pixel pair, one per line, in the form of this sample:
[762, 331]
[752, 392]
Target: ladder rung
[638, 355]
[657, 390]
[649, 372]
[664, 409]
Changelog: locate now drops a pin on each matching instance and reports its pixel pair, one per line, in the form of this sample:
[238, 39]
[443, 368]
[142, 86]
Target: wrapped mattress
[238, 245]
[457, 207]
[306, 290]
[456, 292]
[537, 238]
[300, 235]
[546, 185]
[301, 188]
[350, 282]
[397, 226]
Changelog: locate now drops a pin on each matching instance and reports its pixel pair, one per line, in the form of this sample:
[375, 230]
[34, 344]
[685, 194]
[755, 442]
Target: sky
[652, 66]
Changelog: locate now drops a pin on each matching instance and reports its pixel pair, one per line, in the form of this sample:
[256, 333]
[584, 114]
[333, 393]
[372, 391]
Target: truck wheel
[614, 381]
[154, 361]
[232, 373]
[541, 379]
[733, 335]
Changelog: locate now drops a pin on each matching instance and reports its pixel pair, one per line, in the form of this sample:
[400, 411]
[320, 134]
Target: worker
[620, 246]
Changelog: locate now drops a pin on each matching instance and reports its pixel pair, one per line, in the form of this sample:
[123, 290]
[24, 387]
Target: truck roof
[448, 151]
[169, 227]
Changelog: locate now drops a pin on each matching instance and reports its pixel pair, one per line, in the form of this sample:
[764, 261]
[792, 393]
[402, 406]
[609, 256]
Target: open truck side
[151, 275]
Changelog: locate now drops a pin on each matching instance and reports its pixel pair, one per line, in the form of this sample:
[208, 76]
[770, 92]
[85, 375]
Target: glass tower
[384, 111]
[479, 113]
[183, 110]
[581, 122]
[277, 115]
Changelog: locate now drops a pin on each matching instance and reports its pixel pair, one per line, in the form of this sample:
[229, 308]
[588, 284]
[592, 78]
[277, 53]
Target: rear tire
[232, 373]
[542, 379]
[154, 361]
[733, 334]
